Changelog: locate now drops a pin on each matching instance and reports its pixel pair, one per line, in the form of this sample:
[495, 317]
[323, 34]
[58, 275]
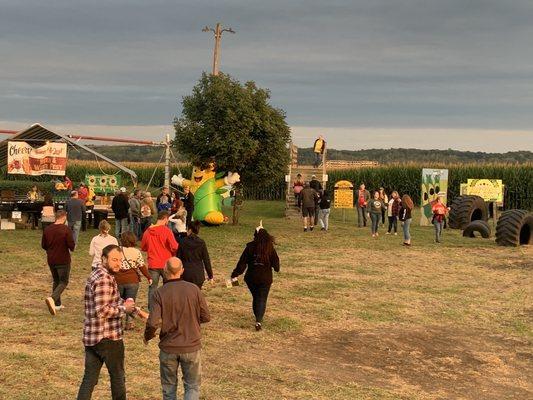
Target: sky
[365, 74]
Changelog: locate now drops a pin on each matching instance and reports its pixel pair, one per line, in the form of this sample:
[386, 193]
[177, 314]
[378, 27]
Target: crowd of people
[175, 255]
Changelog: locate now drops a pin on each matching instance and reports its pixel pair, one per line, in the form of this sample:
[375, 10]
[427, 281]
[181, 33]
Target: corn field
[405, 178]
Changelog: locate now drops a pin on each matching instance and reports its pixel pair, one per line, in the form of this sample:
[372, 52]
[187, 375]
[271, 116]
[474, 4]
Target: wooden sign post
[343, 197]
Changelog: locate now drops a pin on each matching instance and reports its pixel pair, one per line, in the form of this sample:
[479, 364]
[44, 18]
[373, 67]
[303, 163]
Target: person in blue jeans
[404, 215]
[374, 208]
[180, 336]
[75, 209]
[258, 259]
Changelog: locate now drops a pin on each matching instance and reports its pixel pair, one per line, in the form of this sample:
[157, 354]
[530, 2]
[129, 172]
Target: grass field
[349, 317]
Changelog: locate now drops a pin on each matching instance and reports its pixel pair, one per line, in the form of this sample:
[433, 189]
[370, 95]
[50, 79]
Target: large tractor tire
[515, 228]
[478, 226]
[465, 209]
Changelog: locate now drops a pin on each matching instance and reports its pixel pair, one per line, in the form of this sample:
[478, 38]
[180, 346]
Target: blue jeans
[406, 233]
[318, 159]
[191, 369]
[75, 228]
[126, 291]
[135, 227]
[121, 225]
[438, 230]
[361, 216]
[375, 222]
[154, 274]
[323, 218]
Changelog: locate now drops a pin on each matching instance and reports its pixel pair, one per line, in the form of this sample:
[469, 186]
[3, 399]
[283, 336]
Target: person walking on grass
[100, 241]
[120, 206]
[325, 208]
[405, 216]
[75, 209]
[58, 242]
[362, 198]
[309, 198]
[135, 213]
[297, 186]
[385, 200]
[178, 220]
[439, 213]
[375, 206]
[393, 209]
[102, 328]
[129, 276]
[195, 257]
[179, 308]
[159, 244]
[188, 203]
[258, 259]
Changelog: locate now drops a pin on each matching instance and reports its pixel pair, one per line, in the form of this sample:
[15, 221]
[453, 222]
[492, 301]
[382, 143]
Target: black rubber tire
[515, 228]
[479, 226]
[465, 209]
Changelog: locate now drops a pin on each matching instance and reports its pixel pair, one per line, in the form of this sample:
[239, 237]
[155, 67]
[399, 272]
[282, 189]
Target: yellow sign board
[343, 195]
[489, 189]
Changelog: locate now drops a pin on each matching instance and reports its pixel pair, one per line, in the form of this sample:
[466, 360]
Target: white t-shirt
[389, 207]
[179, 224]
[97, 245]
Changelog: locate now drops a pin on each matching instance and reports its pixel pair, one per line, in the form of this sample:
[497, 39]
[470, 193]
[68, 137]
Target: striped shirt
[103, 308]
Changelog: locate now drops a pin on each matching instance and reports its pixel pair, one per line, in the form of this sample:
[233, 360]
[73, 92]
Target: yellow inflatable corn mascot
[207, 187]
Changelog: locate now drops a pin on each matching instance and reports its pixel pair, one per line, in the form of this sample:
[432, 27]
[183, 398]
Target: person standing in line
[258, 259]
[120, 206]
[179, 308]
[393, 209]
[315, 184]
[58, 242]
[83, 193]
[309, 197]
[325, 208]
[147, 212]
[129, 275]
[163, 201]
[439, 213]
[385, 200]
[404, 215]
[102, 328]
[89, 205]
[374, 208]
[297, 187]
[363, 196]
[135, 213]
[75, 209]
[178, 221]
[159, 244]
[100, 241]
[188, 203]
[318, 149]
[195, 258]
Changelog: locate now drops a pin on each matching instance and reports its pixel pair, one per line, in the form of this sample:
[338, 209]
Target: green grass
[349, 317]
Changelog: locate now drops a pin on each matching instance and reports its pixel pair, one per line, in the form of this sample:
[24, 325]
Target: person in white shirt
[178, 222]
[100, 241]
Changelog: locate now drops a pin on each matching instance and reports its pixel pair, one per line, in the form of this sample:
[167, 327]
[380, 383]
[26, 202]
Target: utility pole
[167, 161]
[218, 31]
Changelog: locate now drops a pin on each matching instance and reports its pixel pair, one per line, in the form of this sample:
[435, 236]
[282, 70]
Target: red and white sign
[50, 159]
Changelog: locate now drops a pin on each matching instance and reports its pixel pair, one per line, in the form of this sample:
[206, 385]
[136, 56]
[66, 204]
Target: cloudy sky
[373, 73]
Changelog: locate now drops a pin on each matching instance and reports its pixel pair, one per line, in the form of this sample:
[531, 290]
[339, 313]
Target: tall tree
[236, 125]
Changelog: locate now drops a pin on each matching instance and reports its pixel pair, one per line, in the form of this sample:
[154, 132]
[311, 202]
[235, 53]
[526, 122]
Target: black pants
[393, 223]
[383, 216]
[259, 302]
[60, 275]
[110, 353]
[188, 219]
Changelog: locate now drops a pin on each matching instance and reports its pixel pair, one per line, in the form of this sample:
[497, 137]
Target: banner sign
[434, 181]
[23, 159]
[103, 183]
[490, 190]
[343, 195]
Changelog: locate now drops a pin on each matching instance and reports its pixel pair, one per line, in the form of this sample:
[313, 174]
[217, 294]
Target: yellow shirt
[90, 196]
[318, 146]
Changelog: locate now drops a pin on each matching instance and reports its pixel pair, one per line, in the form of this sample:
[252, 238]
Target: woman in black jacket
[193, 254]
[259, 258]
[404, 215]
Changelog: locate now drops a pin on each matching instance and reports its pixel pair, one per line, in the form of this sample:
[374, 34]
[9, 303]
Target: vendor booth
[38, 151]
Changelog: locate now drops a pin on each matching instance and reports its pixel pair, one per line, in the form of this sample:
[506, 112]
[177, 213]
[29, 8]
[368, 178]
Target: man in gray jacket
[75, 209]
[178, 308]
[361, 201]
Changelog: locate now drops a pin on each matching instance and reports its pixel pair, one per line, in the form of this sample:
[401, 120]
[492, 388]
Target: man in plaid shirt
[102, 329]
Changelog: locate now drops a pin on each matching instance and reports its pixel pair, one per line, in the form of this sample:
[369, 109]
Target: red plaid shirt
[103, 308]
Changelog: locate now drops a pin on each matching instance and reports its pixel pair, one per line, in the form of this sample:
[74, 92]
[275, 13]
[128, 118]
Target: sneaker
[311, 228]
[388, 233]
[51, 305]
[258, 326]
[395, 233]
[60, 308]
[305, 229]
[373, 235]
[322, 229]
[377, 234]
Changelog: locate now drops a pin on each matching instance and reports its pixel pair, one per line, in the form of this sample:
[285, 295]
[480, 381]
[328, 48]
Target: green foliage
[130, 153]
[388, 156]
[235, 125]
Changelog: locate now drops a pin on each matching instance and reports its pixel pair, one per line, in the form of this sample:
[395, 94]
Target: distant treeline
[305, 155]
[388, 156]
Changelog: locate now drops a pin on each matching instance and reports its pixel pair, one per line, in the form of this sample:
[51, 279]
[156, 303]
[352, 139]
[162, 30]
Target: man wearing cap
[75, 209]
[318, 149]
[120, 206]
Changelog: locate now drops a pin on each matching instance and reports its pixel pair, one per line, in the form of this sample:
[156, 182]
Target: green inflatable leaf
[219, 175]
